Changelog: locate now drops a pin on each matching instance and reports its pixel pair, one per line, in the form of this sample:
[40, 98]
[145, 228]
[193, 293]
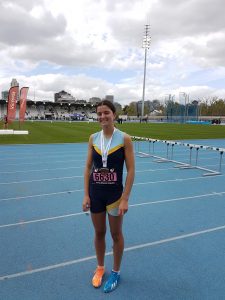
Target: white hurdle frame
[180, 165]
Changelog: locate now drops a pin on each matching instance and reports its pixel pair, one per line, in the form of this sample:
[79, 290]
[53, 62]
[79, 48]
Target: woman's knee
[117, 236]
[100, 234]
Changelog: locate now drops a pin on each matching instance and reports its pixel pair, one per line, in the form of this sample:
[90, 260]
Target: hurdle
[196, 166]
[169, 154]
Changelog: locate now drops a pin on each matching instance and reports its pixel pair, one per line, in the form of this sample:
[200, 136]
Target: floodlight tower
[146, 46]
[186, 104]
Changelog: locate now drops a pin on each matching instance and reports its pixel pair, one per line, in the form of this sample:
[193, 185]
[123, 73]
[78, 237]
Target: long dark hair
[107, 103]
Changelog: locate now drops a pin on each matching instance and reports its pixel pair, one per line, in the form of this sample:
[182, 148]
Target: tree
[118, 107]
[132, 109]
[218, 108]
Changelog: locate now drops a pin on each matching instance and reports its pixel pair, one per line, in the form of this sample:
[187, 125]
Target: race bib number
[109, 177]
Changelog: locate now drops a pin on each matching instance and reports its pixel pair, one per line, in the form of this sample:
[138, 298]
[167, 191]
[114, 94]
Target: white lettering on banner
[13, 100]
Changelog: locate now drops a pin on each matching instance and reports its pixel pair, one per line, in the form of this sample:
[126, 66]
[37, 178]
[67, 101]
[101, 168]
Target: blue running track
[174, 230]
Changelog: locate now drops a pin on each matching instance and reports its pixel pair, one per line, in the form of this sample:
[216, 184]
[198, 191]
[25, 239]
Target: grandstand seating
[53, 111]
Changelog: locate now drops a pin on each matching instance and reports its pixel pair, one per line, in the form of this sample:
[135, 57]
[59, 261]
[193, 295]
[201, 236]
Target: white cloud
[74, 45]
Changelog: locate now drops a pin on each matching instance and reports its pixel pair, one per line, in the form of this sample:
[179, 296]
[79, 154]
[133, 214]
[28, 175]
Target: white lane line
[41, 195]
[45, 163]
[25, 156]
[42, 220]
[154, 170]
[178, 199]
[74, 160]
[132, 248]
[41, 170]
[135, 184]
[43, 179]
[131, 205]
[186, 160]
[167, 169]
[81, 167]
[20, 159]
[77, 176]
[177, 180]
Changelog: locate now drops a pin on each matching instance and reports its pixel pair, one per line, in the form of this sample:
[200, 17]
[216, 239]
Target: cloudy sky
[94, 48]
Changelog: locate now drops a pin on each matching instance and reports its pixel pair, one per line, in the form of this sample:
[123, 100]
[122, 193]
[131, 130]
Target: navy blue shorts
[105, 200]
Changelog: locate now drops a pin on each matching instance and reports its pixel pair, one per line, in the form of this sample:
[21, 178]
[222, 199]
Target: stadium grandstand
[43, 110]
[65, 108]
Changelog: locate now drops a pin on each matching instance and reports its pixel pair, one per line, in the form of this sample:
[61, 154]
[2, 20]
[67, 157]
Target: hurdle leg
[149, 147]
[172, 152]
[196, 158]
[220, 164]
[186, 166]
[190, 155]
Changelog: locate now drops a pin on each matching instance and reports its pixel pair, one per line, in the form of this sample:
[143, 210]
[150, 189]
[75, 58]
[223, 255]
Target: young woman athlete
[104, 193]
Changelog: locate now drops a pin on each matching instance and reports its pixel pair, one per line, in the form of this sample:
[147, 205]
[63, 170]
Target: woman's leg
[99, 222]
[115, 223]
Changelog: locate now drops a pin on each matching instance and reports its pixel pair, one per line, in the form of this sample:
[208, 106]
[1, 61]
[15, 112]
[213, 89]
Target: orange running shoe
[97, 279]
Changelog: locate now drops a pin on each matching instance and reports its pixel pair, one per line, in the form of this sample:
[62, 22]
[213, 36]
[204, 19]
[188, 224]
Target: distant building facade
[14, 82]
[94, 100]
[5, 95]
[64, 97]
[81, 101]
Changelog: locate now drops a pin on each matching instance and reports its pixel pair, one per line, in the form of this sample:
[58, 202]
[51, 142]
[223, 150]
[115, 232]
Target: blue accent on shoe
[112, 282]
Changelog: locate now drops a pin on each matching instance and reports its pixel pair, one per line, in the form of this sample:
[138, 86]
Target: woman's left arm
[130, 165]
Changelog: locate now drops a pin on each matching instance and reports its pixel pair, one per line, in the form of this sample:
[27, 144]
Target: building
[81, 101]
[14, 82]
[94, 100]
[64, 97]
[5, 95]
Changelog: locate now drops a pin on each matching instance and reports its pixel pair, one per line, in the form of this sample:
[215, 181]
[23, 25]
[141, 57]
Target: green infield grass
[76, 132]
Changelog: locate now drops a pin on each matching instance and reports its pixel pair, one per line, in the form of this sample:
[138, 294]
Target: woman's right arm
[87, 172]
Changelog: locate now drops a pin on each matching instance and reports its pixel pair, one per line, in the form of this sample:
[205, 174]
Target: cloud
[27, 4]
[209, 52]
[172, 19]
[18, 27]
[198, 25]
[73, 46]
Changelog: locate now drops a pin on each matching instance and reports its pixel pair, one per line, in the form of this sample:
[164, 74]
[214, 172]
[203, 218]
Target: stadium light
[146, 46]
[186, 104]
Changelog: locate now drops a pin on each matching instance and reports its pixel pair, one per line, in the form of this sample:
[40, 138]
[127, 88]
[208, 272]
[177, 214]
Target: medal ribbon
[105, 149]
